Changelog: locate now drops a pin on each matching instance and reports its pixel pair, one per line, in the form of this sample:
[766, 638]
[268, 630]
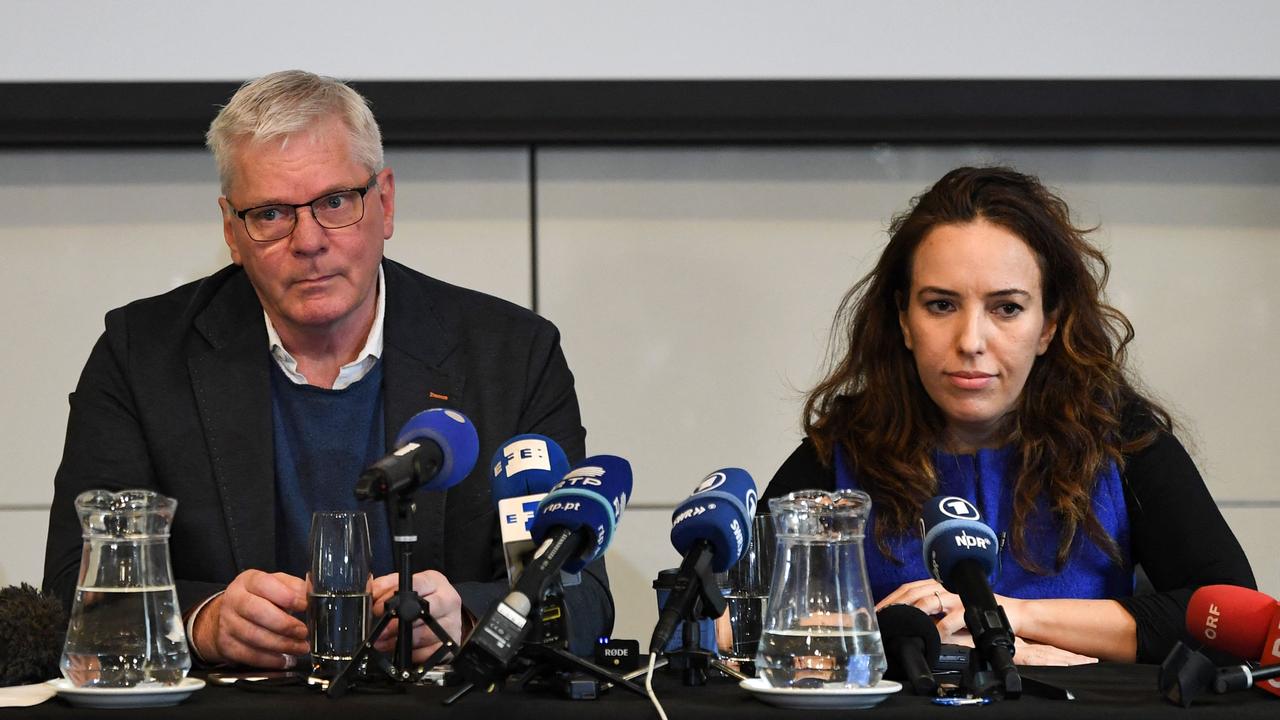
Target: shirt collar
[353, 371]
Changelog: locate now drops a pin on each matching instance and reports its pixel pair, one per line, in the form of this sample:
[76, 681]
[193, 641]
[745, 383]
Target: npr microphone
[1241, 622]
[572, 526]
[524, 470]
[960, 552]
[434, 450]
[711, 528]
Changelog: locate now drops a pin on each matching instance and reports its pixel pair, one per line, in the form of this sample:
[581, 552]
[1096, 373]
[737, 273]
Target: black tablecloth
[1108, 691]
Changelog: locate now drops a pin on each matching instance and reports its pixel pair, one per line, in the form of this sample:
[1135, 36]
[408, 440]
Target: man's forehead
[318, 157]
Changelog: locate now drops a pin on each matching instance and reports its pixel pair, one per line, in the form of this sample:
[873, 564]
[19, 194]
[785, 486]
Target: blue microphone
[524, 469]
[586, 504]
[961, 552]
[719, 512]
[435, 450]
[953, 532]
[527, 465]
[710, 529]
[572, 526]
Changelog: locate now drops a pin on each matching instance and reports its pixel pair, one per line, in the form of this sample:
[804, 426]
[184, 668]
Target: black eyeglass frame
[361, 191]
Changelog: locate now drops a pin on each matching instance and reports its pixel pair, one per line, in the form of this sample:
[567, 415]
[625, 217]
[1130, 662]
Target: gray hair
[288, 102]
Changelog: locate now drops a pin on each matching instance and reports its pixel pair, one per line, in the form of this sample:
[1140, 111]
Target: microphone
[961, 552]
[1232, 619]
[32, 628]
[710, 529]
[912, 645]
[572, 526]
[1239, 677]
[1241, 622]
[524, 469]
[434, 451]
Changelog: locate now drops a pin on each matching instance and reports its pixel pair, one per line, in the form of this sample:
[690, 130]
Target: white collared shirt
[350, 373]
[353, 371]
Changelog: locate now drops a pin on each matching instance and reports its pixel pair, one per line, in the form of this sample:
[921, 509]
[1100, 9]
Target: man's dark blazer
[176, 397]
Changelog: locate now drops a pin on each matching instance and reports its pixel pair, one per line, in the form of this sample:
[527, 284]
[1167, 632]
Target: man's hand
[250, 623]
[446, 608]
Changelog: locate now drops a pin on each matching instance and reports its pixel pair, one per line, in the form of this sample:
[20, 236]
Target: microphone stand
[991, 672]
[693, 661]
[406, 606]
[543, 654]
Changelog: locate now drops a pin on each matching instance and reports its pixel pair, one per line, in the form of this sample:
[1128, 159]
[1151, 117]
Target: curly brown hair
[1066, 426]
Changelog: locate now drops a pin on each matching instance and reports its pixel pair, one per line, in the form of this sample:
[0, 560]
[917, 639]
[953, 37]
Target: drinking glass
[339, 581]
[746, 587]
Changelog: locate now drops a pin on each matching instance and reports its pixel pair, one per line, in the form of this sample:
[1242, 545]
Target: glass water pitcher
[126, 627]
[820, 629]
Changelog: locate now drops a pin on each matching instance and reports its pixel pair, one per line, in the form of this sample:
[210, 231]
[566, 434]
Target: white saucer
[141, 696]
[818, 698]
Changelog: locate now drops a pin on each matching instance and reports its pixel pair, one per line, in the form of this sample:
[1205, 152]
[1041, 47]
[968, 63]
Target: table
[1107, 691]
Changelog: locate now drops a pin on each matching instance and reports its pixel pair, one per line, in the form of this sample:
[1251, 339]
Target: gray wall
[694, 289]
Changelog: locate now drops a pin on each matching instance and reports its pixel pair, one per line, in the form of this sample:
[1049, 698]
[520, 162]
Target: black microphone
[912, 646]
[961, 552]
[32, 629]
[435, 449]
[1240, 677]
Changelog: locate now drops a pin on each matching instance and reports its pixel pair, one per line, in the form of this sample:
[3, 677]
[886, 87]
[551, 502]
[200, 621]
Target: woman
[982, 362]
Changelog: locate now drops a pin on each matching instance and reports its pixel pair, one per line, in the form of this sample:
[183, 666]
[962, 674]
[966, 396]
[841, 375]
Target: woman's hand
[1030, 653]
[945, 607]
[929, 597]
[1091, 629]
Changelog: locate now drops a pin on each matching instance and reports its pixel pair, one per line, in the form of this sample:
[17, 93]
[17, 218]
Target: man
[256, 395]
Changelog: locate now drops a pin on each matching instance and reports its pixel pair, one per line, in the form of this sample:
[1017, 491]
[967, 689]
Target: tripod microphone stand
[707, 603]
[406, 606]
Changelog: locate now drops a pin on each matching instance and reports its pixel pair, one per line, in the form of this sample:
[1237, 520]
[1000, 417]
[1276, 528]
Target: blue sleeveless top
[981, 479]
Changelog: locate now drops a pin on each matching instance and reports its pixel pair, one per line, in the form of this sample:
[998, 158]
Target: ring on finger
[942, 606]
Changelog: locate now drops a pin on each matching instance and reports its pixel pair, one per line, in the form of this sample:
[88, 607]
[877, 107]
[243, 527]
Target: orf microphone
[711, 528]
[434, 451]
[1232, 619]
[573, 525]
[1241, 622]
[912, 644]
[961, 552]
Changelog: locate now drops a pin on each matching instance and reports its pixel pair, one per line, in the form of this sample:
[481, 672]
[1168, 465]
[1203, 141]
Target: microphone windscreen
[456, 436]
[954, 532]
[905, 621]
[32, 628]
[591, 497]
[527, 465]
[1232, 619]
[719, 511]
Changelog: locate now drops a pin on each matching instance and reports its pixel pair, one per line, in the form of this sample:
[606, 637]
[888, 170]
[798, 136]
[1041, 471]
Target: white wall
[660, 39]
[694, 288]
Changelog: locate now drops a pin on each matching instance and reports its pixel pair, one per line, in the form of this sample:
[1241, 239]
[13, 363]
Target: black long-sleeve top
[1177, 534]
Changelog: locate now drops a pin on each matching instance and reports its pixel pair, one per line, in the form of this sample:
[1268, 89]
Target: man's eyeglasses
[268, 223]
